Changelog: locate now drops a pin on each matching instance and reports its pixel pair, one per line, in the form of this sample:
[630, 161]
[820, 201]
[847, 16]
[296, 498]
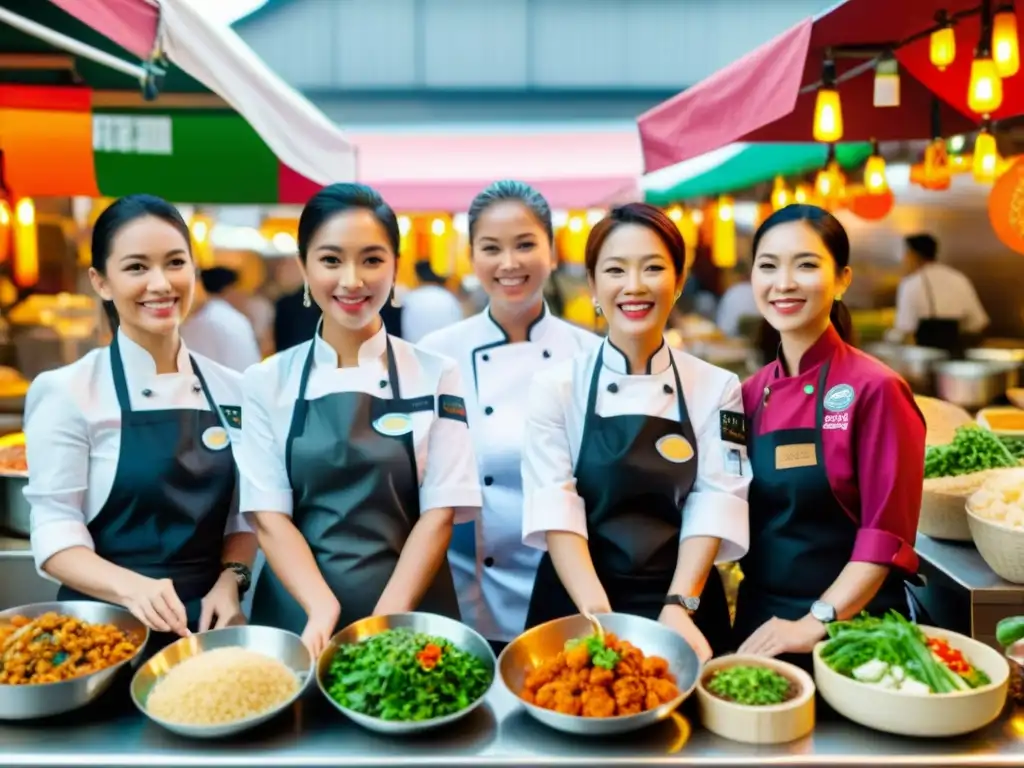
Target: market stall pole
[863, 70]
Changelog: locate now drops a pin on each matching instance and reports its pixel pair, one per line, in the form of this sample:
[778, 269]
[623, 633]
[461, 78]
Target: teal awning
[740, 166]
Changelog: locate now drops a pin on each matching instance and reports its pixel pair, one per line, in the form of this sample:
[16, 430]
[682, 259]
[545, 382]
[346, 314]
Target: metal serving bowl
[278, 644]
[536, 645]
[458, 634]
[28, 702]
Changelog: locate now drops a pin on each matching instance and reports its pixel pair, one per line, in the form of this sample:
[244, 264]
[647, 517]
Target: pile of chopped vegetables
[751, 686]
[894, 654]
[973, 450]
[406, 676]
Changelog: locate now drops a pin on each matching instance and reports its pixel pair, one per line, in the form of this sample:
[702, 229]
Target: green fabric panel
[213, 158]
[756, 164]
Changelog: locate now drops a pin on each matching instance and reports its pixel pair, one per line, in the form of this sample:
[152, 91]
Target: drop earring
[306, 300]
[394, 299]
[597, 308]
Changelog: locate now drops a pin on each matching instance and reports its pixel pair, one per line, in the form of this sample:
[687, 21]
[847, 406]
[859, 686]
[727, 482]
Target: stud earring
[597, 308]
[394, 299]
[306, 300]
[839, 297]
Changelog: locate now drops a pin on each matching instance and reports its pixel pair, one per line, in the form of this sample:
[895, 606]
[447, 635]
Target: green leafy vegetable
[600, 656]
[1010, 630]
[1015, 445]
[973, 450]
[750, 685]
[895, 641]
[388, 676]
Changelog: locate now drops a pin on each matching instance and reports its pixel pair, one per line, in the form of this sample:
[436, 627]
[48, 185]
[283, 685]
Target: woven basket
[1000, 546]
[944, 516]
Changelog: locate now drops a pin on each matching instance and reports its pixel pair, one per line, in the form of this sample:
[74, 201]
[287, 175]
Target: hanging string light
[985, 92]
[874, 172]
[942, 44]
[1005, 41]
[828, 110]
[780, 194]
[986, 156]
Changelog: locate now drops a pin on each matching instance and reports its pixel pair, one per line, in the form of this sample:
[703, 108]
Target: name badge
[794, 456]
[733, 427]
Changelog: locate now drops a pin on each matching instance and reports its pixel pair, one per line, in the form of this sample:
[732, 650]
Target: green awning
[741, 166]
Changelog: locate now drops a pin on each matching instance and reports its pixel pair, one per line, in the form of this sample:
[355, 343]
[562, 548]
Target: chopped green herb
[973, 450]
[600, 656]
[750, 686]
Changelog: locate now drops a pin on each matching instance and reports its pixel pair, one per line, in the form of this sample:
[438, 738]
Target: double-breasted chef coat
[136, 466]
[635, 462]
[837, 452]
[493, 570]
[355, 455]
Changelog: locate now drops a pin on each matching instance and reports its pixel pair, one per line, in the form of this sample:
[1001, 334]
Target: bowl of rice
[995, 514]
[224, 681]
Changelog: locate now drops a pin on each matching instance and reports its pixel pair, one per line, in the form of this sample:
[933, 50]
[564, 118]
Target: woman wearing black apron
[131, 472]
[356, 458]
[836, 444]
[632, 465]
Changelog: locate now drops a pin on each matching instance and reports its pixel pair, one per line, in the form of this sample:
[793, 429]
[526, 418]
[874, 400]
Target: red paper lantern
[868, 206]
[1006, 207]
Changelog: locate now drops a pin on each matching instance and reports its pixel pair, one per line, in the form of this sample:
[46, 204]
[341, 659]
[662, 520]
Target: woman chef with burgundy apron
[356, 456]
[836, 444]
[131, 474]
[632, 464]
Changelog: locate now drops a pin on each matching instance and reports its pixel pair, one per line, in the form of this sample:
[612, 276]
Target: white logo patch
[839, 398]
[393, 424]
[216, 438]
[675, 448]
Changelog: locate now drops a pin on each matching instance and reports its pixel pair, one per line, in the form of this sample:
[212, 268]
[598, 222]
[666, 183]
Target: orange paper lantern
[870, 206]
[1006, 207]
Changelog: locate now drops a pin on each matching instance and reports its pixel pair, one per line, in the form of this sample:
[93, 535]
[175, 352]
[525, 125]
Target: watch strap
[691, 604]
[243, 573]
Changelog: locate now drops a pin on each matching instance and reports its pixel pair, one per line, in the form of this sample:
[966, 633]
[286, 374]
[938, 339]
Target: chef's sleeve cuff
[719, 515]
[883, 548]
[52, 538]
[255, 499]
[237, 523]
[465, 501]
[552, 509]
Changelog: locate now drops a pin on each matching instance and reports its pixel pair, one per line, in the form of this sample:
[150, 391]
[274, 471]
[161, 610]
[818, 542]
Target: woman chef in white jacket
[131, 475]
[499, 351]
[355, 457]
[633, 471]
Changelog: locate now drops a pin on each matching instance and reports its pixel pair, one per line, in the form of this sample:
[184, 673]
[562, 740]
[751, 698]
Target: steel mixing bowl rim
[684, 694]
[234, 725]
[139, 648]
[396, 725]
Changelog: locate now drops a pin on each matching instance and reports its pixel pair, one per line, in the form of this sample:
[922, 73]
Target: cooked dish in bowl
[595, 677]
[53, 648]
[751, 685]
[405, 676]
[220, 686]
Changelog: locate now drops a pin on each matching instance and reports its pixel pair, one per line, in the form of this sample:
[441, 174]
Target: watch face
[823, 611]
[691, 603]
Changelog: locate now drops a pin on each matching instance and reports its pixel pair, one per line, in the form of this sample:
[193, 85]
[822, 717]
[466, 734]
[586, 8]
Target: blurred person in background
[428, 307]
[737, 303]
[217, 329]
[499, 350]
[936, 305]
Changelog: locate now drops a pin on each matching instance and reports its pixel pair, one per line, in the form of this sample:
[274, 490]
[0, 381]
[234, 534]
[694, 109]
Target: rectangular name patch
[734, 427]
[413, 405]
[794, 456]
[452, 407]
[232, 415]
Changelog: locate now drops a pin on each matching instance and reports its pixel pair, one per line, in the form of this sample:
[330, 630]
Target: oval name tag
[215, 438]
[393, 424]
[675, 448]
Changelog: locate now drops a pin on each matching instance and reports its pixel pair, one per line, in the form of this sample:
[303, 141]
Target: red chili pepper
[950, 656]
[429, 656]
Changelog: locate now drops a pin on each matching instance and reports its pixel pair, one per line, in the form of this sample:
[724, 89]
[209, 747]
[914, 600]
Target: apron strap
[206, 391]
[928, 291]
[684, 414]
[396, 391]
[117, 369]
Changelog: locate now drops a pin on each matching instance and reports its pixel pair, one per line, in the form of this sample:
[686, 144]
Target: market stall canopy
[573, 166]
[741, 166]
[769, 94]
[307, 144]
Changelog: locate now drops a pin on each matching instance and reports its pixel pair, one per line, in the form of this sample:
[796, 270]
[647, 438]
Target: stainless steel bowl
[458, 634]
[28, 702]
[915, 364]
[285, 647]
[971, 384]
[1013, 359]
[536, 645]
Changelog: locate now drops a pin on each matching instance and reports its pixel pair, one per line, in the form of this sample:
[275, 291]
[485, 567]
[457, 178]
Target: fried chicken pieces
[53, 648]
[571, 684]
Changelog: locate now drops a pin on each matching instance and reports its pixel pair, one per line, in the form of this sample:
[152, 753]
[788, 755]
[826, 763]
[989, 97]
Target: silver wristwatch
[690, 604]
[823, 612]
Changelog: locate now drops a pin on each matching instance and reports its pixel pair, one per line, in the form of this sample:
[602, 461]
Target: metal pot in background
[971, 384]
[14, 507]
[1013, 359]
[915, 364]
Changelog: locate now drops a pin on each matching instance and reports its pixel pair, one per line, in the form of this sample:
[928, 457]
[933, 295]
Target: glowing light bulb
[942, 47]
[874, 175]
[985, 94]
[828, 116]
[1005, 43]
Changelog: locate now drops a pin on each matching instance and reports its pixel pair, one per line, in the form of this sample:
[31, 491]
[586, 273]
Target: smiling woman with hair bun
[632, 472]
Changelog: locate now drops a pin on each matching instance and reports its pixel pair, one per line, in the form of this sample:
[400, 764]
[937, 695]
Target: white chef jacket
[938, 291]
[445, 464]
[73, 434]
[222, 333]
[494, 587]
[717, 504]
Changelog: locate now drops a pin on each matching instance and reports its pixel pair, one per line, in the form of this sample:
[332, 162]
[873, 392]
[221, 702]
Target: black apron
[351, 463]
[173, 492]
[801, 537]
[937, 332]
[634, 498]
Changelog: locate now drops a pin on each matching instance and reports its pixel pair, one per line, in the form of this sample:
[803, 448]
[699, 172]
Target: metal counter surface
[112, 733]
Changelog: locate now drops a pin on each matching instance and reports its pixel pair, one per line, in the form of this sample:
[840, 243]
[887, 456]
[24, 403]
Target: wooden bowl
[921, 715]
[774, 724]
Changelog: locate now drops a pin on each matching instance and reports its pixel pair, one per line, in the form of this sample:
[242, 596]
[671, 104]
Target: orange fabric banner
[46, 138]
